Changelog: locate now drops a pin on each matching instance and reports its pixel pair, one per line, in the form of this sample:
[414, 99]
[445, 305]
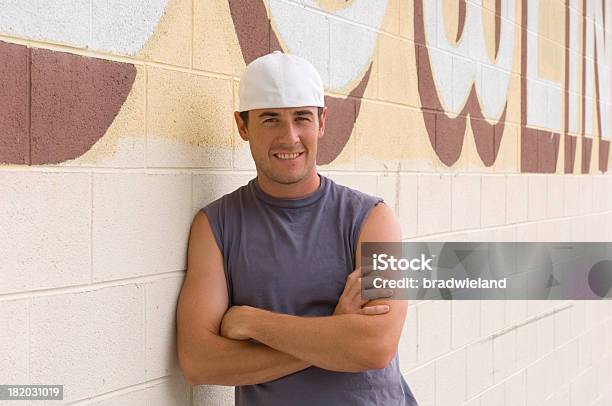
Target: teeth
[288, 156]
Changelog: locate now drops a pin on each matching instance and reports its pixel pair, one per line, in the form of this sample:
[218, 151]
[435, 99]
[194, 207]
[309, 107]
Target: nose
[291, 133]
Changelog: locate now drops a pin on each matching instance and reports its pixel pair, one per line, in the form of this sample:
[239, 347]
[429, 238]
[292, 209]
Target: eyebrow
[303, 113]
[296, 113]
[268, 114]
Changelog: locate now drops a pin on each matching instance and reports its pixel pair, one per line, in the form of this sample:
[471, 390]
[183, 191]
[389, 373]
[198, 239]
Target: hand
[353, 302]
[234, 323]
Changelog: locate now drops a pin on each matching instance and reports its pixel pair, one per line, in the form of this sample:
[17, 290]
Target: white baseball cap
[279, 80]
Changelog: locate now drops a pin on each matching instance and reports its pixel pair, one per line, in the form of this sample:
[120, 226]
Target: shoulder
[221, 214]
[352, 197]
[375, 220]
[381, 215]
[380, 225]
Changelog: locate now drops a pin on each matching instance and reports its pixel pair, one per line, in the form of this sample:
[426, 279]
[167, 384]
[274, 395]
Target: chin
[288, 180]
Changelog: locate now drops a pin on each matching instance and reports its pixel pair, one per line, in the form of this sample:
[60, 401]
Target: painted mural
[510, 85]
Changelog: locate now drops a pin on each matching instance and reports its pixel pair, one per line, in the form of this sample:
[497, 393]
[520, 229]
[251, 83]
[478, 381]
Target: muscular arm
[204, 356]
[348, 342]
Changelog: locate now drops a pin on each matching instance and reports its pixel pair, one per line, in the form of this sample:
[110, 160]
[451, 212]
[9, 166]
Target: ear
[242, 129]
[322, 122]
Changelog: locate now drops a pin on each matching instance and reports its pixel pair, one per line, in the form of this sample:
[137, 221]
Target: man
[272, 302]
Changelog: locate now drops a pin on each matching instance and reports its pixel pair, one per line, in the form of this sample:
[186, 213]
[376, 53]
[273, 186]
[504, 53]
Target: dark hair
[244, 115]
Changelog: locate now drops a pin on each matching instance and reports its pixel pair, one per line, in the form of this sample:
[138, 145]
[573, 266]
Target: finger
[371, 294]
[352, 287]
[378, 309]
[366, 269]
[367, 282]
[354, 275]
[351, 296]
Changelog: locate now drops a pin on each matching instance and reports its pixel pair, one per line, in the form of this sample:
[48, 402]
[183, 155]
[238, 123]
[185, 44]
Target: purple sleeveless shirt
[293, 256]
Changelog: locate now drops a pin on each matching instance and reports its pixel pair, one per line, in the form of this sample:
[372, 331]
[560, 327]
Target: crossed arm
[245, 345]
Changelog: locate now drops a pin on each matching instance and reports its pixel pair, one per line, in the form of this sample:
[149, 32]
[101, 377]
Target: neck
[297, 190]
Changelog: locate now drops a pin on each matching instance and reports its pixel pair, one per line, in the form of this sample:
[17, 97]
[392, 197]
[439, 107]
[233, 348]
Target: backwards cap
[278, 80]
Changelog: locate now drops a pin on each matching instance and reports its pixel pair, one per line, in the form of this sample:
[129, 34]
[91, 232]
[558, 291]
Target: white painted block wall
[93, 261]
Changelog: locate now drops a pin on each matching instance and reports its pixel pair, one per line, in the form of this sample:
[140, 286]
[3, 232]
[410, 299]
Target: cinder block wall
[116, 127]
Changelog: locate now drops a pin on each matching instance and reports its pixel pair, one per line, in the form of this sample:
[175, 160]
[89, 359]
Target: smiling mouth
[288, 157]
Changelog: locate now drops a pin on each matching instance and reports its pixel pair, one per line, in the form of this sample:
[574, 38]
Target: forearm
[222, 361]
[346, 343]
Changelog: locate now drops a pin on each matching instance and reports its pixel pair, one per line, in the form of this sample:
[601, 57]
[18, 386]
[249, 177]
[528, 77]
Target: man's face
[283, 141]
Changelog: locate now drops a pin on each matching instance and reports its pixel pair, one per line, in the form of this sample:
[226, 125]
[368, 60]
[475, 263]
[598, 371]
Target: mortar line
[121, 391]
[86, 287]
